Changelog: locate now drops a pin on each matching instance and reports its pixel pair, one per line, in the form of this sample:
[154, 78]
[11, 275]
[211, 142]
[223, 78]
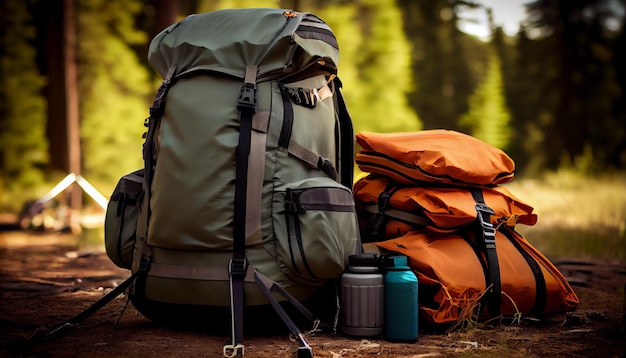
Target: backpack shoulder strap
[153, 122]
[345, 154]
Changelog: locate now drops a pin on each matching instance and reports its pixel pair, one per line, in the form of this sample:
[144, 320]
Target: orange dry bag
[435, 156]
[454, 277]
[388, 209]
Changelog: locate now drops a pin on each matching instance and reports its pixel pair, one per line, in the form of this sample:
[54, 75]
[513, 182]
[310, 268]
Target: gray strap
[312, 159]
[195, 272]
[256, 171]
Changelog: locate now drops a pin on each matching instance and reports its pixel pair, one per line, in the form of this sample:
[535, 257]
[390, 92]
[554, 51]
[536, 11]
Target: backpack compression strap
[74, 321]
[268, 286]
[487, 236]
[239, 264]
[285, 141]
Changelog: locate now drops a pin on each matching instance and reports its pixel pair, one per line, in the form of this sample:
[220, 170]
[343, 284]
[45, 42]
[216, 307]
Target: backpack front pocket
[316, 230]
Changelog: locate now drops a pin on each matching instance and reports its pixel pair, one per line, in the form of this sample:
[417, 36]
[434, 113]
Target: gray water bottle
[362, 297]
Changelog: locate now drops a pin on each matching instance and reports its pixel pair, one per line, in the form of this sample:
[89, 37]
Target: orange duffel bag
[387, 209]
[455, 277]
[434, 156]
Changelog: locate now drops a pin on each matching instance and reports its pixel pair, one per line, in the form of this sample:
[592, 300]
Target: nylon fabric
[448, 267]
[444, 209]
[121, 219]
[434, 156]
[238, 37]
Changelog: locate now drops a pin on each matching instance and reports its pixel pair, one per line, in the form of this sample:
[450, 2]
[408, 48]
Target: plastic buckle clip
[489, 231]
[233, 350]
[238, 266]
[144, 263]
[304, 352]
[247, 97]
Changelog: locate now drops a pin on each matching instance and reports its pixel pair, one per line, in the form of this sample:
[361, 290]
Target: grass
[581, 217]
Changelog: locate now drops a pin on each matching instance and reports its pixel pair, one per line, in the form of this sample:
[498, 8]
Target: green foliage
[488, 117]
[374, 64]
[23, 145]
[114, 88]
[212, 5]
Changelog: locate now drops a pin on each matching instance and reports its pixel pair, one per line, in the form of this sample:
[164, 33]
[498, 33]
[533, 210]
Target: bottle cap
[365, 259]
[397, 263]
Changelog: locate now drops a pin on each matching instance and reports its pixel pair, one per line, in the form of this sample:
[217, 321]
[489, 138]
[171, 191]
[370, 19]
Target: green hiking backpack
[248, 168]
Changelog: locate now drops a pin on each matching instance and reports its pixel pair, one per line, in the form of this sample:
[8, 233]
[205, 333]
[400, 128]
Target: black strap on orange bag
[486, 236]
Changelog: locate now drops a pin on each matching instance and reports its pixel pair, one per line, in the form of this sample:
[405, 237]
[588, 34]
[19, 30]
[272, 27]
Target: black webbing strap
[239, 264]
[268, 286]
[487, 237]
[300, 152]
[74, 321]
[156, 112]
[294, 232]
[285, 132]
[377, 223]
[541, 294]
[345, 162]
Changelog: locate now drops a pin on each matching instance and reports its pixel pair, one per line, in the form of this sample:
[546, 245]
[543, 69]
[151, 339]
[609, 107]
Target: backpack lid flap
[226, 41]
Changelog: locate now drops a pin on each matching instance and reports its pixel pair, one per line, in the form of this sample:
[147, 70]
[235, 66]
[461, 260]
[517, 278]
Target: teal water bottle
[401, 308]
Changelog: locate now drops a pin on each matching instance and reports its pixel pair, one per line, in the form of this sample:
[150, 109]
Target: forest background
[551, 96]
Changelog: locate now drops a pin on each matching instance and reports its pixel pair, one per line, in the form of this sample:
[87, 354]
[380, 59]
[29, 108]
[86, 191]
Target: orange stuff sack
[387, 209]
[434, 156]
[452, 274]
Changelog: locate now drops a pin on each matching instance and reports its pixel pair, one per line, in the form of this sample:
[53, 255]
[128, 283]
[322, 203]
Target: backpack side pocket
[121, 219]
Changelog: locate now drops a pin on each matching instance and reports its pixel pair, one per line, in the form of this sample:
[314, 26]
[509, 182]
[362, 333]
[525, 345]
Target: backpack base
[259, 320]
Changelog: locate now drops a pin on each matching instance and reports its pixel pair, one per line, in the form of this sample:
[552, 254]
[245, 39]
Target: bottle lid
[397, 263]
[363, 269]
[400, 260]
[364, 259]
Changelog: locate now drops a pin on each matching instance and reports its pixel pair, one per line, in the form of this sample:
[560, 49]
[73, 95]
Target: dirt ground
[44, 281]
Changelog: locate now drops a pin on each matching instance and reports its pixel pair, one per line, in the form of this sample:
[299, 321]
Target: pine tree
[446, 63]
[23, 147]
[114, 88]
[579, 125]
[374, 64]
[488, 117]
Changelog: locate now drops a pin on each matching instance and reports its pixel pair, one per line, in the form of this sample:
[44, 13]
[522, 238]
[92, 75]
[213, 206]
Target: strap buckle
[144, 263]
[304, 352]
[327, 167]
[247, 97]
[232, 350]
[488, 230]
[238, 266]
